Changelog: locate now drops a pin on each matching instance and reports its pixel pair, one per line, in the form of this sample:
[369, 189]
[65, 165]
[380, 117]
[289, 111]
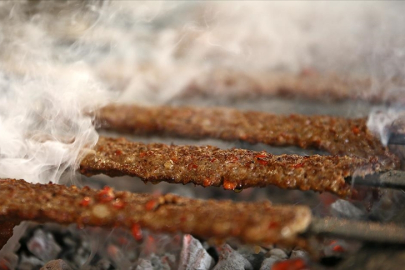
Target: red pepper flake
[261, 155]
[118, 152]
[151, 205]
[207, 182]
[338, 248]
[118, 204]
[213, 159]
[192, 166]
[86, 201]
[356, 130]
[299, 165]
[259, 158]
[263, 162]
[106, 194]
[293, 264]
[233, 159]
[142, 154]
[136, 232]
[229, 185]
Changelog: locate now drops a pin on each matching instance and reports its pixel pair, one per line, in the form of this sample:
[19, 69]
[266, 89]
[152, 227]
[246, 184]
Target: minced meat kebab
[337, 135]
[233, 169]
[255, 223]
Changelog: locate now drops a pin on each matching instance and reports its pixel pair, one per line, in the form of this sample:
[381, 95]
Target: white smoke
[57, 59]
[45, 100]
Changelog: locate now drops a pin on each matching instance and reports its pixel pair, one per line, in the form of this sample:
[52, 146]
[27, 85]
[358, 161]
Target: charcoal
[43, 246]
[159, 263]
[298, 254]
[345, 209]
[144, 265]
[29, 263]
[276, 254]
[56, 265]
[103, 264]
[8, 261]
[255, 255]
[268, 263]
[230, 259]
[193, 255]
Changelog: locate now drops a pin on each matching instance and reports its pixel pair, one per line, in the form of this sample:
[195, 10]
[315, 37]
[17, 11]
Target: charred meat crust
[249, 222]
[233, 169]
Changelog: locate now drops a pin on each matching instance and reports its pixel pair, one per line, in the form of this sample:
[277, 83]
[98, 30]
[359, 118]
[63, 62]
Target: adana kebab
[255, 223]
[337, 135]
[233, 169]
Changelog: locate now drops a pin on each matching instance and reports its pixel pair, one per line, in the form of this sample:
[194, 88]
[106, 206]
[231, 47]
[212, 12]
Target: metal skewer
[392, 179]
[358, 230]
[396, 139]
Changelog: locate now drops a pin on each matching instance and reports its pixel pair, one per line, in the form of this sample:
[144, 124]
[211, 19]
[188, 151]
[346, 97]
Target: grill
[316, 236]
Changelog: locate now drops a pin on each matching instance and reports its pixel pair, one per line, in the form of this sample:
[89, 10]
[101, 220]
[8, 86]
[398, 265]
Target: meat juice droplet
[229, 185]
[207, 182]
[356, 130]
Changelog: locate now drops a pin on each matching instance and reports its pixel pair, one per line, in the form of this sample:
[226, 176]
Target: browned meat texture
[249, 222]
[338, 136]
[233, 169]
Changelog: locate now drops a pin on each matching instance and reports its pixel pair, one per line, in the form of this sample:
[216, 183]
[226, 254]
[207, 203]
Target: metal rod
[358, 230]
[396, 139]
[392, 179]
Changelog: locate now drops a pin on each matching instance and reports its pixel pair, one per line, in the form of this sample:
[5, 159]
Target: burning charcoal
[336, 135]
[144, 265]
[56, 265]
[268, 263]
[345, 209]
[193, 255]
[43, 246]
[336, 248]
[276, 255]
[291, 264]
[230, 259]
[8, 261]
[233, 169]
